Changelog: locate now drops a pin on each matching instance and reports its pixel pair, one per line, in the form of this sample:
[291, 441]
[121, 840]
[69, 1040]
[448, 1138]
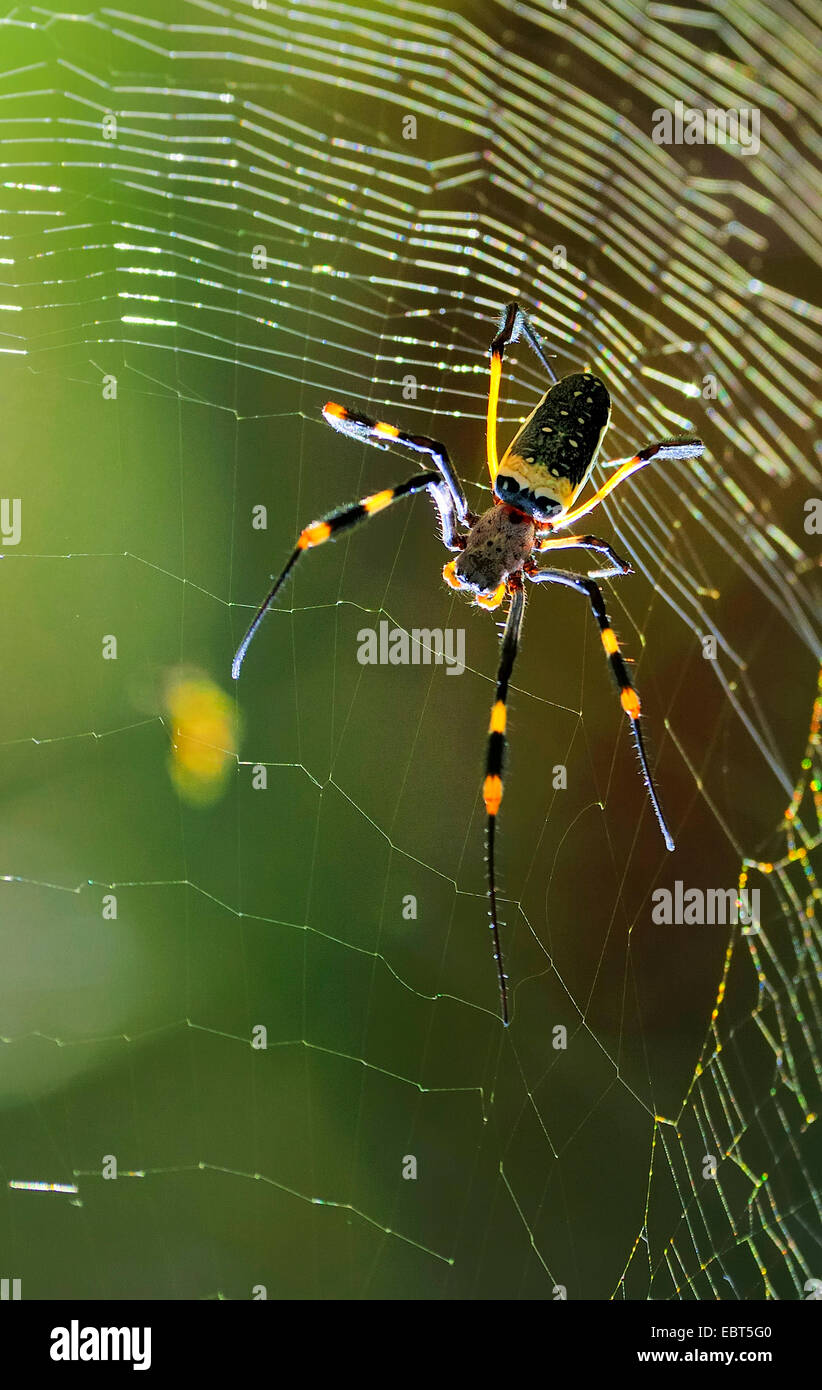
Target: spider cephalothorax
[546, 466]
[496, 547]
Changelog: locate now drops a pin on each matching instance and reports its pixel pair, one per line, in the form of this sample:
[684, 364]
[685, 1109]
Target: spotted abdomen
[551, 457]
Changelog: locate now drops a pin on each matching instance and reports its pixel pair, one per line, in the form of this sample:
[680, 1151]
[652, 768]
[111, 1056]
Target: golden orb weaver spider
[545, 467]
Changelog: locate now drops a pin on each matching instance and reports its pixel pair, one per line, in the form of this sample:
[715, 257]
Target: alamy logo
[76, 1343]
[687, 125]
[394, 647]
[697, 907]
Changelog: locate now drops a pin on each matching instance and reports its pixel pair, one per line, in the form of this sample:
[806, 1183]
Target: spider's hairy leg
[492, 785]
[629, 699]
[381, 434]
[617, 565]
[321, 531]
[664, 451]
[515, 321]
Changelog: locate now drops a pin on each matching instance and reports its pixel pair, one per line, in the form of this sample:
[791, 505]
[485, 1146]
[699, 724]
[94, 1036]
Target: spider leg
[618, 566]
[629, 698]
[341, 520]
[377, 432]
[663, 451]
[492, 785]
[515, 321]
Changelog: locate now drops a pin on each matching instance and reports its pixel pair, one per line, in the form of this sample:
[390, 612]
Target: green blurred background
[283, 907]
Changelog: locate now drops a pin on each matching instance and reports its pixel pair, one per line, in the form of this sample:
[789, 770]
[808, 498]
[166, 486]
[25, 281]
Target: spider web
[681, 274]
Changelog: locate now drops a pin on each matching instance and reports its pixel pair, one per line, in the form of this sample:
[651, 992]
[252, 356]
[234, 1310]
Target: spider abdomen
[497, 546]
[551, 456]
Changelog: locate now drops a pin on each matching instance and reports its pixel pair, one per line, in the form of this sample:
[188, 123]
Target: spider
[545, 467]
